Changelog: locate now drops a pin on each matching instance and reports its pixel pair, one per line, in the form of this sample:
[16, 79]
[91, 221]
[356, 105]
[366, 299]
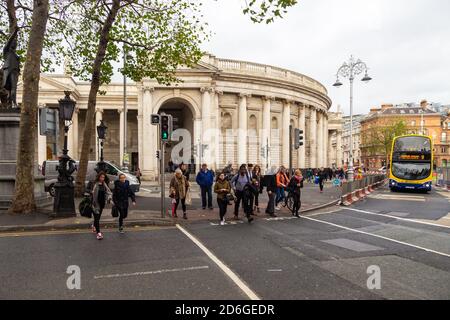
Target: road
[325, 254]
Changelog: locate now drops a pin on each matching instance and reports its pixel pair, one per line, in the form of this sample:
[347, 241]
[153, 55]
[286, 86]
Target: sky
[405, 44]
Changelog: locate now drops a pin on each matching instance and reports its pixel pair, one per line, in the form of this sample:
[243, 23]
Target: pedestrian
[138, 174]
[122, 191]
[101, 194]
[295, 185]
[238, 183]
[282, 182]
[185, 170]
[250, 190]
[269, 181]
[256, 174]
[321, 174]
[222, 188]
[178, 189]
[205, 179]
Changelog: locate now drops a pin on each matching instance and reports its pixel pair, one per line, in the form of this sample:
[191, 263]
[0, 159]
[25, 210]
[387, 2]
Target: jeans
[183, 205]
[271, 204]
[239, 197]
[204, 191]
[97, 220]
[280, 195]
[123, 214]
[223, 204]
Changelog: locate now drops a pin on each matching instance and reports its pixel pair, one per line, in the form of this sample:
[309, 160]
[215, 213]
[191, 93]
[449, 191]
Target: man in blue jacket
[205, 179]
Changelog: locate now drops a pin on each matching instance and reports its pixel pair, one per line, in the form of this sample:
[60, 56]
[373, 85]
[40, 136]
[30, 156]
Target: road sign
[155, 119]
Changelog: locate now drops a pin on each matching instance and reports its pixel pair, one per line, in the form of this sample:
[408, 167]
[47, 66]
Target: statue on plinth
[11, 69]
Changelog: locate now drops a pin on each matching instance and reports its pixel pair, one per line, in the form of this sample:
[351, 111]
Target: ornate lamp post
[101, 133]
[64, 204]
[349, 70]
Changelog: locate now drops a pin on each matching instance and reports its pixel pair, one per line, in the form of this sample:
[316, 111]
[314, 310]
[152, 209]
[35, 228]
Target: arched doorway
[183, 118]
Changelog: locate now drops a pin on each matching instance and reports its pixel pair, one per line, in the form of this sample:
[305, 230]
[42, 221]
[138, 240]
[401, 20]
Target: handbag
[85, 208]
[188, 199]
[114, 212]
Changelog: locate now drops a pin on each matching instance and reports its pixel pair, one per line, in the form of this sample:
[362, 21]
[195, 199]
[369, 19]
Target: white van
[50, 172]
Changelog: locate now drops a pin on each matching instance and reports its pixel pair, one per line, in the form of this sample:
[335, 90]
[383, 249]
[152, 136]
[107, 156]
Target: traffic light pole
[163, 179]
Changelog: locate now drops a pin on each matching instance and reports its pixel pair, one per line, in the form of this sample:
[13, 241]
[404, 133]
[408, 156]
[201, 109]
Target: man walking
[205, 179]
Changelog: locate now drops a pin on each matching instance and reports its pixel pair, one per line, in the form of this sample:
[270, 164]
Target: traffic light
[155, 119]
[298, 138]
[166, 127]
[194, 151]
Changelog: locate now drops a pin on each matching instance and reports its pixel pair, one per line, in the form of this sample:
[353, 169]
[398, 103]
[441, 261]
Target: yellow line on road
[68, 232]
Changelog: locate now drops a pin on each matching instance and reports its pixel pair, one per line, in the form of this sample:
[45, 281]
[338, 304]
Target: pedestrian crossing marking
[397, 197]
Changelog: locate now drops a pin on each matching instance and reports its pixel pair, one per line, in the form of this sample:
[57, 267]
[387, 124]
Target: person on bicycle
[294, 186]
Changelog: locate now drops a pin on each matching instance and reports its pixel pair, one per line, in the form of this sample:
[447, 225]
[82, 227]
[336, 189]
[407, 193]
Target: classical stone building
[234, 108]
[335, 147]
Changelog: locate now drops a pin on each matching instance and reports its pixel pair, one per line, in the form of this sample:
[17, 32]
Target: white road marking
[378, 236]
[275, 270]
[399, 218]
[252, 295]
[397, 197]
[146, 190]
[144, 273]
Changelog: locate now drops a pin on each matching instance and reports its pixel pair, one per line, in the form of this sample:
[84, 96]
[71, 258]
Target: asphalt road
[323, 255]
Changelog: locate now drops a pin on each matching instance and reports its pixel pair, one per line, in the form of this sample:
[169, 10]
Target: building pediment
[54, 85]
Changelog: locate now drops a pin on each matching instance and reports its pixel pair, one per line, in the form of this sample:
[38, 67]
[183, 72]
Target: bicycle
[289, 201]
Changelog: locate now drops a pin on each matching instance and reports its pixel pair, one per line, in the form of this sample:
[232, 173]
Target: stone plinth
[9, 142]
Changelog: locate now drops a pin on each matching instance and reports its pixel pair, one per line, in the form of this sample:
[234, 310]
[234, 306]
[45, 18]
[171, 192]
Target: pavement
[147, 211]
[388, 246]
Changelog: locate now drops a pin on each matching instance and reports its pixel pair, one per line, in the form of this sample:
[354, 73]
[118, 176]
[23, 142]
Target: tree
[377, 139]
[30, 18]
[267, 10]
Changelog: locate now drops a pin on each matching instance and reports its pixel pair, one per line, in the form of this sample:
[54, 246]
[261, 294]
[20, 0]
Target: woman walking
[295, 185]
[256, 176]
[222, 188]
[121, 193]
[101, 195]
[178, 189]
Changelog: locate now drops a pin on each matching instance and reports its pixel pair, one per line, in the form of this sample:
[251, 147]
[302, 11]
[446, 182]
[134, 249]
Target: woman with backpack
[122, 191]
[101, 194]
[295, 186]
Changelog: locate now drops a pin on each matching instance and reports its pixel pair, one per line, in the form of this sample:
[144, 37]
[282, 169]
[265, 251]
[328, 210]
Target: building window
[444, 137]
[413, 123]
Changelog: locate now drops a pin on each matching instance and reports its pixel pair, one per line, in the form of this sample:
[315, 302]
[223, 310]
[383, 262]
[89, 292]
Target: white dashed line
[144, 273]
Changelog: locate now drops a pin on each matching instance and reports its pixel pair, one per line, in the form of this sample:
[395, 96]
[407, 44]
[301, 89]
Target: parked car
[50, 172]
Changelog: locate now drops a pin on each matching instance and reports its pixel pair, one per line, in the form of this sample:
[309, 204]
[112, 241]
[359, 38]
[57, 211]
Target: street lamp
[64, 203]
[101, 134]
[349, 70]
[125, 160]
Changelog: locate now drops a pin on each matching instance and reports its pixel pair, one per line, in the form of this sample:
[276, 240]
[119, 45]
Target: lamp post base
[64, 204]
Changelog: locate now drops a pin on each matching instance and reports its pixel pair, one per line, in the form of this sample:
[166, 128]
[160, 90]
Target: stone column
[217, 126]
[149, 166]
[339, 150]
[285, 133]
[42, 145]
[242, 130]
[302, 126]
[319, 146]
[121, 135]
[325, 141]
[206, 136]
[265, 134]
[98, 118]
[313, 138]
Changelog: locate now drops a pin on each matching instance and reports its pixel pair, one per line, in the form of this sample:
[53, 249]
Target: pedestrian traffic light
[166, 127]
[298, 138]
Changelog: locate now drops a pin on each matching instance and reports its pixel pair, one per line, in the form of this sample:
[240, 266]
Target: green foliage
[158, 36]
[377, 140]
[267, 10]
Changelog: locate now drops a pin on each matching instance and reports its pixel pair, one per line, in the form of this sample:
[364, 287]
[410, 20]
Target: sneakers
[99, 236]
[250, 219]
[277, 208]
[185, 216]
[93, 229]
[222, 222]
[121, 230]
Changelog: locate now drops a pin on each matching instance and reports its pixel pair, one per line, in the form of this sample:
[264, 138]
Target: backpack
[85, 208]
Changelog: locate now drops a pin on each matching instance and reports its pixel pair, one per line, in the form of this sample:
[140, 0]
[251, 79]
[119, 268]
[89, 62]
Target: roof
[408, 110]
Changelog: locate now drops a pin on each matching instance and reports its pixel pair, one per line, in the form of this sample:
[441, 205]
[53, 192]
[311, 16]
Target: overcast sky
[405, 43]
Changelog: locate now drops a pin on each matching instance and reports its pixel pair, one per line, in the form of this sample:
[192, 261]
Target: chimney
[424, 104]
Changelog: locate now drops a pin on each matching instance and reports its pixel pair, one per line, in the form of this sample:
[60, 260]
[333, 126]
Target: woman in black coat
[121, 193]
[295, 185]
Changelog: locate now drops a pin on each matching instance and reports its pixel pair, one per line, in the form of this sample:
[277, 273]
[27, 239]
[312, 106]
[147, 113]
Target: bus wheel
[393, 189]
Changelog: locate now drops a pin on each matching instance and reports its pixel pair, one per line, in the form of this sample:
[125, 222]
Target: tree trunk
[89, 125]
[23, 201]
